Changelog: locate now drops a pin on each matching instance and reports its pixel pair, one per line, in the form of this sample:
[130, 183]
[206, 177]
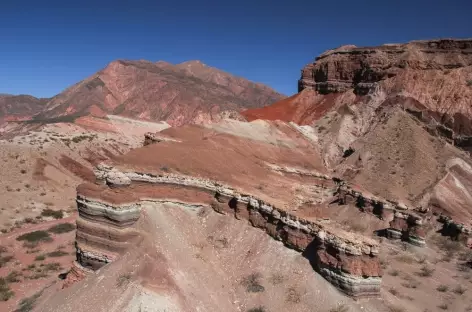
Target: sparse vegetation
[252, 283]
[123, 279]
[442, 288]
[257, 309]
[426, 271]
[394, 291]
[384, 263]
[459, 290]
[340, 308]
[56, 214]
[27, 304]
[394, 273]
[410, 282]
[51, 267]
[35, 237]
[405, 259]
[469, 83]
[421, 259]
[443, 306]
[62, 228]
[293, 296]
[5, 291]
[13, 277]
[276, 279]
[4, 259]
[449, 246]
[23, 171]
[57, 253]
[40, 258]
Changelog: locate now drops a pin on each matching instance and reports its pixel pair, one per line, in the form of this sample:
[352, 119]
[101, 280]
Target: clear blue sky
[46, 46]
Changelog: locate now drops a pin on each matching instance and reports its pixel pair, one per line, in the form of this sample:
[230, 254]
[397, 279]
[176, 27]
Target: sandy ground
[40, 170]
[198, 260]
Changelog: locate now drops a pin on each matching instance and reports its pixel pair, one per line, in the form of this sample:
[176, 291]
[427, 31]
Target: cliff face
[436, 73]
[190, 92]
[265, 185]
[347, 260]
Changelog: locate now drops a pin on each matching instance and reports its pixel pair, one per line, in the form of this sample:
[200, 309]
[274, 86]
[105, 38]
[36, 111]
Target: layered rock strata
[405, 224]
[104, 230]
[347, 260]
[362, 68]
[433, 77]
[408, 227]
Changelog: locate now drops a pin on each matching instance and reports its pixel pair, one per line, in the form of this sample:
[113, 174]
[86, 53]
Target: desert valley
[156, 187]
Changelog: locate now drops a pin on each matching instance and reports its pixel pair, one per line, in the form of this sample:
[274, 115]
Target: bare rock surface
[190, 92]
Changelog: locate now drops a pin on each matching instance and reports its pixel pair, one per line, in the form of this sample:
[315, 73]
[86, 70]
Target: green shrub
[13, 277]
[57, 253]
[62, 228]
[257, 309]
[28, 304]
[5, 259]
[40, 258]
[340, 308]
[123, 279]
[56, 214]
[252, 283]
[5, 291]
[53, 266]
[459, 290]
[36, 236]
[426, 271]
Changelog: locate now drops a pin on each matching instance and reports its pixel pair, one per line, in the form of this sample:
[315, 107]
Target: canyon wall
[361, 68]
[108, 215]
[434, 75]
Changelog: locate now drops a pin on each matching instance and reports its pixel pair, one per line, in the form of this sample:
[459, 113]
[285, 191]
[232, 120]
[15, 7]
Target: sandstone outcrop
[408, 227]
[361, 68]
[347, 260]
[405, 225]
[437, 74]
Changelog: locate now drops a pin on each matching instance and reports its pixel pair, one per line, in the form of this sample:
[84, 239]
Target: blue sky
[45, 46]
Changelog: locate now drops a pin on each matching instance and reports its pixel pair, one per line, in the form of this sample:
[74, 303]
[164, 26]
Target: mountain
[19, 107]
[380, 115]
[431, 79]
[180, 94]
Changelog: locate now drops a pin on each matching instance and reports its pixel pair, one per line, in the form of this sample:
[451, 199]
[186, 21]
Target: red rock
[189, 92]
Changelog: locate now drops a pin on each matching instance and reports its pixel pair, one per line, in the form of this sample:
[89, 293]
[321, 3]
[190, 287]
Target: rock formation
[437, 74]
[190, 92]
[380, 116]
[347, 260]
[408, 227]
[19, 107]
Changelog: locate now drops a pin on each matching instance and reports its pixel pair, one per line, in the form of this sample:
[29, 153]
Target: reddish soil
[138, 191]
[77, 168]
[180, 94]
[24, 259]
[302, 108]
[204, 153]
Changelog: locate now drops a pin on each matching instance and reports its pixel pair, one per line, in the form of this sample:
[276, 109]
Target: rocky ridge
[190, 92]
[435, 74]
[347, 260]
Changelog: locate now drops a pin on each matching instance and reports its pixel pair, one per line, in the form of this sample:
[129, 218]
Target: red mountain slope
[184, 93]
